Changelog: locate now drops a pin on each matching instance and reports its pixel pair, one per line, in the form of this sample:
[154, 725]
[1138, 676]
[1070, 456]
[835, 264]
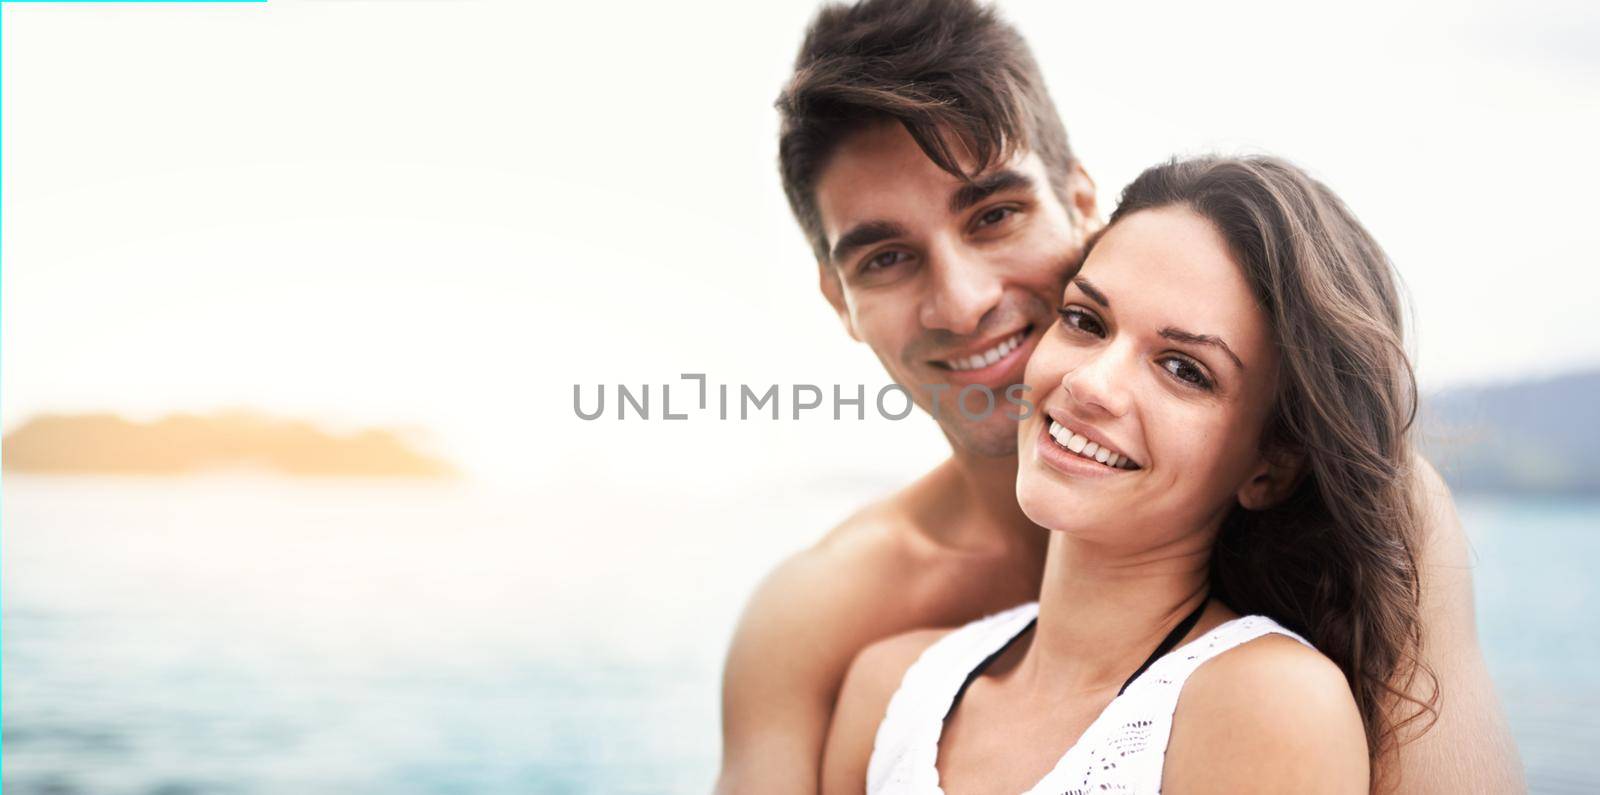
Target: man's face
[950, 284]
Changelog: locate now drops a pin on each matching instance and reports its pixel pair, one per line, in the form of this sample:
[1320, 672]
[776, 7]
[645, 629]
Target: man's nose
[963, 289]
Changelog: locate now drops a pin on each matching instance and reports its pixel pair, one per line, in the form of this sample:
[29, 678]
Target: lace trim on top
[1122, 750]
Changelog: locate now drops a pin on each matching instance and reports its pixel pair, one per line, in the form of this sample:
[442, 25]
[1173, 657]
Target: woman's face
[1152, 389]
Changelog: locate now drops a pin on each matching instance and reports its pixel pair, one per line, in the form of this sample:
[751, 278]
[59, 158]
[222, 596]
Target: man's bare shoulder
[877, 538]
[1443, 545]
[876, 574]
[799, 632]
[813, 600]
[1466, 746]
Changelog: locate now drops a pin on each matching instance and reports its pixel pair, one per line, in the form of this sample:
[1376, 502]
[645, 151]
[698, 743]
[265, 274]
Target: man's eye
[1187, 371]
[995, 216]
[1076, 318]
[887, 259]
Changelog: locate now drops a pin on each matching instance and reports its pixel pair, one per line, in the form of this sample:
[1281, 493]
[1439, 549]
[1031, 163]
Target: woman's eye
[1074, 317]
[1187, 372]
[995, 216]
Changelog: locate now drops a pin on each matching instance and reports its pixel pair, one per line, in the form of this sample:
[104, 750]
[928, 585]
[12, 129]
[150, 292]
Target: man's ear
[1272, 481]
[1085, 208]
[828, 279]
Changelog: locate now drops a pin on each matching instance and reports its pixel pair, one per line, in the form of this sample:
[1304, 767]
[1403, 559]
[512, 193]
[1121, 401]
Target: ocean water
[251, 635]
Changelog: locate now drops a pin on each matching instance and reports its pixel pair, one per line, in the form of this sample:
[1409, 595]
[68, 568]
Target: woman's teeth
[990, 356]
[1079, 445]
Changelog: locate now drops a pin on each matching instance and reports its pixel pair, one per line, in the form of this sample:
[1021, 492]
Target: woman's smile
[1061, 458]
[1083, 440]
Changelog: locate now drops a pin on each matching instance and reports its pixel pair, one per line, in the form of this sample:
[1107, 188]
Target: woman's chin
[1051, 505]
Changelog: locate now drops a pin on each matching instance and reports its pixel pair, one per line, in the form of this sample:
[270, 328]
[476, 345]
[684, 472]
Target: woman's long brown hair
[1337, 560]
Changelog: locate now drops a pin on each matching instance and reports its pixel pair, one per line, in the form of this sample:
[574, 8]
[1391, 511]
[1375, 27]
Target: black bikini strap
[1167, 645]
[1170, 641]
[974, 673]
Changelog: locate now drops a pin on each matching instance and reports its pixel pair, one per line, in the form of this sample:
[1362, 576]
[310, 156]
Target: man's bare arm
[868, 687]
[1470, 748]
[789, 656]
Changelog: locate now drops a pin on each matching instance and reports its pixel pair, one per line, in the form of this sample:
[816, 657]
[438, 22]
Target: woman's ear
[1272, 481]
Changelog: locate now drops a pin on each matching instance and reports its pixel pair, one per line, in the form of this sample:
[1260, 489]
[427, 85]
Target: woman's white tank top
[1121, 751]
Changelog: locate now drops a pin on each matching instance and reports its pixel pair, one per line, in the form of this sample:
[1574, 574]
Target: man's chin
[995, 437]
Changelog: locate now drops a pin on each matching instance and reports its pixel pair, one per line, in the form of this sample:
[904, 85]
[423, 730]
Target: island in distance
[182, 444]
[1533, 437]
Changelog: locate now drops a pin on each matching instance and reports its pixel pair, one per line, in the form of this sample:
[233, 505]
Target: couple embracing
[1206, 558]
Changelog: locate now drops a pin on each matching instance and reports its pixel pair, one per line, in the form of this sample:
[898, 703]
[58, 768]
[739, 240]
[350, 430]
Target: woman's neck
[1103, 611]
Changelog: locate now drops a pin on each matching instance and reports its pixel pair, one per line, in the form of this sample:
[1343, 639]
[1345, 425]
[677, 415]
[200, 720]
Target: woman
[1220, 451]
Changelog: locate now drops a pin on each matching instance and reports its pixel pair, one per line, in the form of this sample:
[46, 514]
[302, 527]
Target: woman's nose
[1100, 383]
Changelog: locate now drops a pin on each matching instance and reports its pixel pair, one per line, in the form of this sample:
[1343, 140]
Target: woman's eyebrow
[1089, 290]
[1179, 335]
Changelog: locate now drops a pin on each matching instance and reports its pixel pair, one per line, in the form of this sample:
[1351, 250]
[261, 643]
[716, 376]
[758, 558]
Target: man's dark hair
[960, 79]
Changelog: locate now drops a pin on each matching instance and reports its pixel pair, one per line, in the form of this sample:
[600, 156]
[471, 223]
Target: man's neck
[973, 505]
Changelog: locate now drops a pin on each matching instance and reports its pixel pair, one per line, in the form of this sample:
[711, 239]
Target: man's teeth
[990, 356]
[1078, 444]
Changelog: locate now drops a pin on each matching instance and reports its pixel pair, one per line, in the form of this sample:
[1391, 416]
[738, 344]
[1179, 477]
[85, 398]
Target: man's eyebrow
[1179, 335]
[1089, 290]
[982, 188]
[865, 234]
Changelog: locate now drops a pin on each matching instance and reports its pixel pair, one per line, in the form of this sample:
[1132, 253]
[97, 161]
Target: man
[926, 163]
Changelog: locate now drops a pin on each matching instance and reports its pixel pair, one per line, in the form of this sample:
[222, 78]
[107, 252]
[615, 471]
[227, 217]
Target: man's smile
[997, 361]
[986, 356]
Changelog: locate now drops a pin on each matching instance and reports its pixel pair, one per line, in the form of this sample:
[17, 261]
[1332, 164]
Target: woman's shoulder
[1271, 659]
[1271, 714]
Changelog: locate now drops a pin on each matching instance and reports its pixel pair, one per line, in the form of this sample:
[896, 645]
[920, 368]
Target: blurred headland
[184, 444]
[1536, 437]
[1531, 437]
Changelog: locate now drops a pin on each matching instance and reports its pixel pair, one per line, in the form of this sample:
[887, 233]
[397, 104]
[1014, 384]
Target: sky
[442, 215]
